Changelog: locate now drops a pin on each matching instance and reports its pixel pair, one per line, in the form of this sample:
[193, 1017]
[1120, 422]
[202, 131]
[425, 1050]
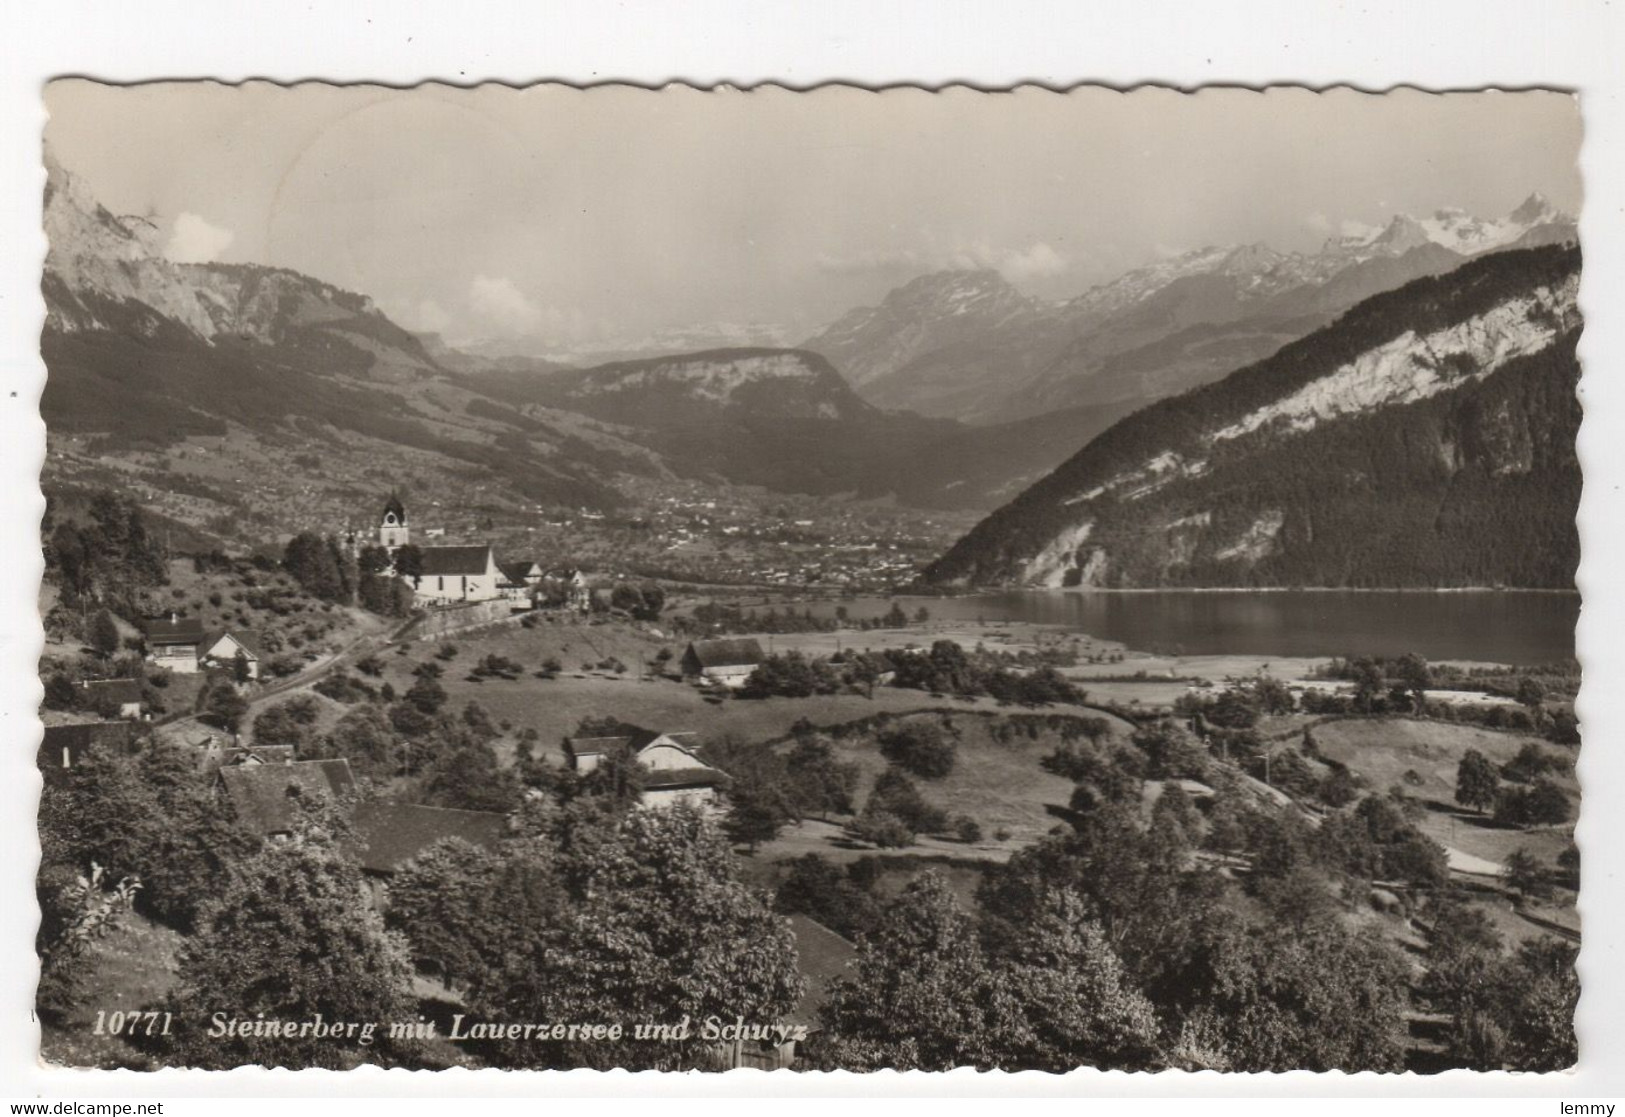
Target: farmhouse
[522, 572]
[267, 798]
[175, 642]
[66, 745]
[520, 579]
[672, 773]
[729, 662]
[114, 697]
[454, 574]
[568, 587]
[221, 649]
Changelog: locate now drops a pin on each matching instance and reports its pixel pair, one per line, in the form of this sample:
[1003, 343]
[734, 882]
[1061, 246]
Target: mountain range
[1427, 438]
[968, 345]
[143, 351]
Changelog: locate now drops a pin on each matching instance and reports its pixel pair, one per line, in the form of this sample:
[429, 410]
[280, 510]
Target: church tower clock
[392, 530]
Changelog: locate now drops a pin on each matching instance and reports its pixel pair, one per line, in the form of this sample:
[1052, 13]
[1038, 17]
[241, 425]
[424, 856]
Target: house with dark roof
[522, 572]
[110, 697]
[175, 642]
[672, 772]
[221, 649]
[729, 662]
[64, 746]
[520, 580]
[458, 573]
[822, 955]
[391, 834]
[268, 798]
[568, 587]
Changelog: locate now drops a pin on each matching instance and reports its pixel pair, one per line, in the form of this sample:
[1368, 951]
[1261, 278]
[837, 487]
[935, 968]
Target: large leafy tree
[922, 995]
[1476, 781]
[291, 937]
[650, 923]
[1279, 999]
[152, 816]
[1078, 1004]
[464, 910]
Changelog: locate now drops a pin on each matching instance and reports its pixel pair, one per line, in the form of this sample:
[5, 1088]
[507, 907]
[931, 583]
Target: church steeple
[392, 529]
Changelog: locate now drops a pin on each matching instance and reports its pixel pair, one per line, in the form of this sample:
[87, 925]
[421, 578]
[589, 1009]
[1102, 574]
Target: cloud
[862, 262]
[1326, 227]
[503, 305]
[1033, 262]
[192, 240]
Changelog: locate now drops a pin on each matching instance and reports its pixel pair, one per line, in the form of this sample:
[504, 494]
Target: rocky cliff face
[109, 273]
[1426, 439]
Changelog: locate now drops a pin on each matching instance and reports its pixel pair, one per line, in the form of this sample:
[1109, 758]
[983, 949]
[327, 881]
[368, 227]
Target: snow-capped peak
[1535, 210]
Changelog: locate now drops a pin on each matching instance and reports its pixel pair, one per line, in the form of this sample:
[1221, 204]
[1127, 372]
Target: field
[1384, 751]
[999, 783]
[554, 707]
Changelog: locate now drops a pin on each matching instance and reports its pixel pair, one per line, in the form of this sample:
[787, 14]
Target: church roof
[456, 560]
[396, 507]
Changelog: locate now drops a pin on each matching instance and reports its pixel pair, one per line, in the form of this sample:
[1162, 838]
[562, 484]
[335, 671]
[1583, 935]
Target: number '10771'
[132, 1023]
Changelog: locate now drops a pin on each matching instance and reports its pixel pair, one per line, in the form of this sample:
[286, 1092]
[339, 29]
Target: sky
[555, 217]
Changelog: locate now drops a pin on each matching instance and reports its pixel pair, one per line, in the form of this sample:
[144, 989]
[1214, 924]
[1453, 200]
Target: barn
[729, 662]
[672, 772]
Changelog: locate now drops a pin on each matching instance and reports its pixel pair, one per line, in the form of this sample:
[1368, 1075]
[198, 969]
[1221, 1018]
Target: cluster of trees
[103, 559]
[896, 813]
[327, 570]
[1529, 684]
[948, 669]
[712, 619]
[588, 914]
[945, 669]
[1104, 945]
[842, 898]
[152, 816]
[1532, 799]
[1507, 1009]
[774, 787]
[445, 758]
[640, 602]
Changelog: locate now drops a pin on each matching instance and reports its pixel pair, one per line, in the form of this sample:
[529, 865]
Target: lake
[1499, 626]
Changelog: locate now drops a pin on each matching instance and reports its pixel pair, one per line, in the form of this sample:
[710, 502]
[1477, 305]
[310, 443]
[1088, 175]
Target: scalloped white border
[1460, 44]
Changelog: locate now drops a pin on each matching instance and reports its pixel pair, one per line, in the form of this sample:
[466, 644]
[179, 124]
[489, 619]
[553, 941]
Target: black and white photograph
[689, 579]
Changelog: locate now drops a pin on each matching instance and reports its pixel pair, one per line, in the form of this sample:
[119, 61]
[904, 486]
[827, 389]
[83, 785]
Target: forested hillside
[1425, 439]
